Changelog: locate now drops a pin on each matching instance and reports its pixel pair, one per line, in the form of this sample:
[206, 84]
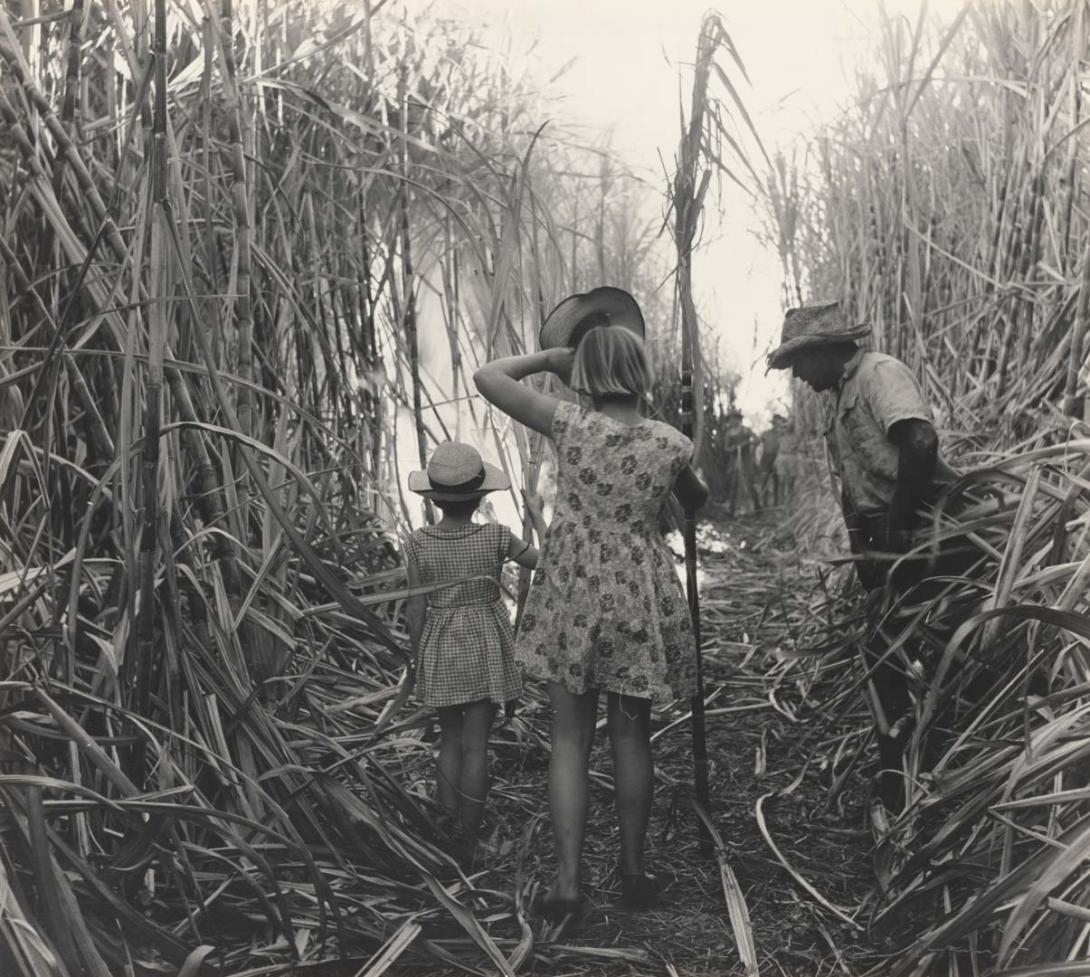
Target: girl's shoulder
[667, 436]
[433, 538]
[574, 424]
[451, 535]
[494, 541]
[573, 421]
[497, 531]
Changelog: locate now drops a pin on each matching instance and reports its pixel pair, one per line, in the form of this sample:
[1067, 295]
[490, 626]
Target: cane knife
[700, 745]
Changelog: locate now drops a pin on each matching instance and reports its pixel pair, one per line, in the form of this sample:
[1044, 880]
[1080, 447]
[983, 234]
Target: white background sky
[800, 55]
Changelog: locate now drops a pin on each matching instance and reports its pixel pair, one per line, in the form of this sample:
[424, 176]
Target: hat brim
[782, 355]
[495, 480]
[561, 327]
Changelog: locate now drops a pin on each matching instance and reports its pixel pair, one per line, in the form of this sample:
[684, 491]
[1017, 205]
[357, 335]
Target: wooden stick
[700, 747]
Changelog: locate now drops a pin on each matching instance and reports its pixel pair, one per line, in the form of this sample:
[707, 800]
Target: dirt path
[757, 750]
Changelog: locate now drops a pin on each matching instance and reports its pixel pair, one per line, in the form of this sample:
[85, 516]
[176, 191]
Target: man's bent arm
[917, 453]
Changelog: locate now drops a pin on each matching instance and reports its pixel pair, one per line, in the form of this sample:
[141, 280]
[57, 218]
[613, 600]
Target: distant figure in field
[771, 445]
[787, 460]
[886, 454]
[739, 444]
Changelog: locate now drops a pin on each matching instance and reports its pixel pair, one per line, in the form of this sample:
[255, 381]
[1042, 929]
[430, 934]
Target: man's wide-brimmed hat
[456, 472]
[810, 326]
[578, 314]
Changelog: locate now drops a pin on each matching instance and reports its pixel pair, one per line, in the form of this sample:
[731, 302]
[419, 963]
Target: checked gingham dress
[467, 649]
[606, 609]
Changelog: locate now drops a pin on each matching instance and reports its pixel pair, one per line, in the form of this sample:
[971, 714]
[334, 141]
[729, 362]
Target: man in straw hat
[885, 452]
[739, 443]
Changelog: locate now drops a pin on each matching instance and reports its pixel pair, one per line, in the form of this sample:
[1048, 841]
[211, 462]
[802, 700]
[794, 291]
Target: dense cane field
[251, 255]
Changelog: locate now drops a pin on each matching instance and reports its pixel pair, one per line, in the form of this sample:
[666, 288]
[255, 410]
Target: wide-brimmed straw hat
[455, 472]
[577, 314]
[810, 326]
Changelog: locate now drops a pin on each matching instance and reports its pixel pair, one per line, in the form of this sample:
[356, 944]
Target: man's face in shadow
[821, 367]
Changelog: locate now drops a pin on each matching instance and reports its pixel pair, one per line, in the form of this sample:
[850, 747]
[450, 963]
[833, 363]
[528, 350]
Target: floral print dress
[606, 609]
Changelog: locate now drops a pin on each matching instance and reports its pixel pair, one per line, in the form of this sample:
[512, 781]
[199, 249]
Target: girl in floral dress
[460, 631]
[605, 611]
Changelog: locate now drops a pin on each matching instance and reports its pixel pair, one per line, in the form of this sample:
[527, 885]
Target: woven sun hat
[456, 471]
[570, 321]
[810, 326]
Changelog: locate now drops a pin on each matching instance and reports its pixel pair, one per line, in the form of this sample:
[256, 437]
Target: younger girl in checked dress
[605, 611]
[460, 631]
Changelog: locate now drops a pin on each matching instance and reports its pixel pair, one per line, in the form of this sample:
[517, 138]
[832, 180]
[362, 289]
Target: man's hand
[871, 573]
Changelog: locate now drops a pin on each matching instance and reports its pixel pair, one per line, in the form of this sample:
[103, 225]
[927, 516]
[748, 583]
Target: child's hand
[536, 508]
[559, 361]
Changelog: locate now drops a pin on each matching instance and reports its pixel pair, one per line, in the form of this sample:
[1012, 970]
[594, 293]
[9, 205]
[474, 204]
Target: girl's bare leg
[450, 758]
[629, 724]
[473, 787]
[572, 738]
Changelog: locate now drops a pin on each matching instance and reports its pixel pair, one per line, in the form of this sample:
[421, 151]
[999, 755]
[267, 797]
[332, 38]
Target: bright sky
[799, 55]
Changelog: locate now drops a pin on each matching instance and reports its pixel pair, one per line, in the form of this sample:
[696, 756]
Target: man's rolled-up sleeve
[893, 395]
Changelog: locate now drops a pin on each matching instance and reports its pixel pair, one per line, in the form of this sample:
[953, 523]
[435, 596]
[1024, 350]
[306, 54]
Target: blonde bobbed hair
[611, 362]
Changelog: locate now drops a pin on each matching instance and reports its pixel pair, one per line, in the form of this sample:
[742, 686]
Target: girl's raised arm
[498, 383]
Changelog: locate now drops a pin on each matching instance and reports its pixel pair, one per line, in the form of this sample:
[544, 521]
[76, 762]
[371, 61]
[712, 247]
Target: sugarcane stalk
[685, 202]
[147, 655]
[448, 269]
[408, 287]
[372, 403]
[71, 83]
[212, 254]
[690, 186]
[243, 309]
[1073, 400]
[700, 747]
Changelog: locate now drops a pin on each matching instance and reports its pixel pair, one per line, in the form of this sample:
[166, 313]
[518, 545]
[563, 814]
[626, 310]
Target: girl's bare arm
[524, 553]
[416, 610]
[498, 382]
